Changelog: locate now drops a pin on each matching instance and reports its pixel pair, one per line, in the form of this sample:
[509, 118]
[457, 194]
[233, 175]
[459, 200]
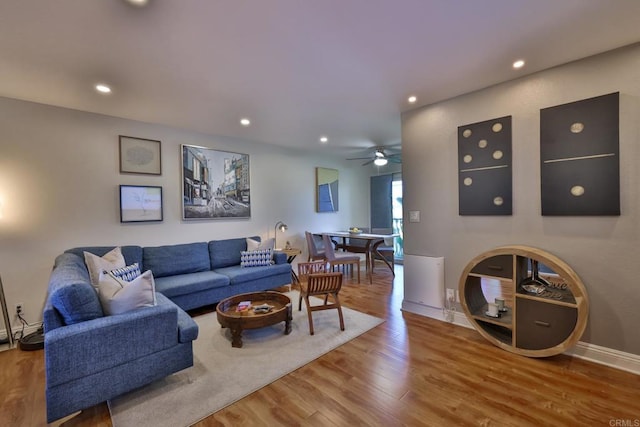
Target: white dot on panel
[498, 201]
[467, 158]
[577, 127]
[468, 181]
[498, 154]
[482, 143]
[577, 190]
[497, 127]
[466, 133]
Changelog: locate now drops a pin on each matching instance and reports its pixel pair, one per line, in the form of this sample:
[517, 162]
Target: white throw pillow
[118, 296]
[96, 265]
[254, 245]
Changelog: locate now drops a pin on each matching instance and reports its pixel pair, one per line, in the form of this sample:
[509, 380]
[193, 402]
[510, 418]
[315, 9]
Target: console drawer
[542, 325]
[498, 266]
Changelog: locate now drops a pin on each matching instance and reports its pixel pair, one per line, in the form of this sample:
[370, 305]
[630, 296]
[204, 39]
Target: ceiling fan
[380, 157]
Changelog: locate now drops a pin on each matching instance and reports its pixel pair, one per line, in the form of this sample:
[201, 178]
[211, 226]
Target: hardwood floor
[411, 370]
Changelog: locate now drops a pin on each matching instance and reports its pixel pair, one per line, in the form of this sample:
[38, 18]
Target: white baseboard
[602, 355]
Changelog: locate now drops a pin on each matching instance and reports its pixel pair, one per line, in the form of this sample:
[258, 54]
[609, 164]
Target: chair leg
[358, 272]
[339, 308]
[300, 302]
[306, 300]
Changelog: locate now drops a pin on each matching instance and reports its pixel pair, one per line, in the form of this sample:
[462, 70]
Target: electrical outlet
[451, 294]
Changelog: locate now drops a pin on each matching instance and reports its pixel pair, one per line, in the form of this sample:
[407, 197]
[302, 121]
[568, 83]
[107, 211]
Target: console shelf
[534, 325]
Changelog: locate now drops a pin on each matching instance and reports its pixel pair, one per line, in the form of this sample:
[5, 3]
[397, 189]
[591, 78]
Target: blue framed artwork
[326, 190]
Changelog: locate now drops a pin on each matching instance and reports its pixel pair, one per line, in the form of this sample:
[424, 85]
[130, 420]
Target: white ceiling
[298, 68]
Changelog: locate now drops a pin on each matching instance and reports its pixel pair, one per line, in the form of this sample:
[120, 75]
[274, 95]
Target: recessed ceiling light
[324, 139]
[245, 122]
[412, 99]
[102, 88]
[138, 3]
[518, 64]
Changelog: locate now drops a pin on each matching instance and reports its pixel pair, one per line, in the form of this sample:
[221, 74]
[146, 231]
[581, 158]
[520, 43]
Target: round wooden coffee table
[238, 321]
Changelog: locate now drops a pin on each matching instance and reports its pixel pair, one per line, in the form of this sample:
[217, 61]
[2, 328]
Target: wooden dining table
[373, 241]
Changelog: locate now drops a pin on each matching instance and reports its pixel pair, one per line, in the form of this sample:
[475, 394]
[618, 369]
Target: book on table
[243, 306]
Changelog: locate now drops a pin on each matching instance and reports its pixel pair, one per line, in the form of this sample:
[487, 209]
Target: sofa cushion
[119, 296]
[182, 284]
[131, 253]
[70, 291]
[176, 259]
[257, 258]
[97, 264]
[238, 274]
[224, 253]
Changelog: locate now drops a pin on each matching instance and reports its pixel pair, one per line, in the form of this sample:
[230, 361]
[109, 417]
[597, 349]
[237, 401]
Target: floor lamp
[5, 315]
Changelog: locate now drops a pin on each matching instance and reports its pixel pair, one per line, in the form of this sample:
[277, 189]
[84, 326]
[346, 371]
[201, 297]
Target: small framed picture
[140, 203]
[139, 155]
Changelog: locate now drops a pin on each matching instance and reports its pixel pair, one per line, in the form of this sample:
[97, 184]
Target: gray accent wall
[604, 251]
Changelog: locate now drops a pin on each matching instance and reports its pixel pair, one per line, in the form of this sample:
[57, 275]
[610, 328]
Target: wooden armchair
[319, 284]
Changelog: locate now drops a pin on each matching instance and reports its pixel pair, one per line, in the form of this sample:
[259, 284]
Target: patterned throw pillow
[127, 273]
[257, 258]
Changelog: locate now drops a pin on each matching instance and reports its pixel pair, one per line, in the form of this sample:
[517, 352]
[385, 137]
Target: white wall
[602, 250]
[59, 179]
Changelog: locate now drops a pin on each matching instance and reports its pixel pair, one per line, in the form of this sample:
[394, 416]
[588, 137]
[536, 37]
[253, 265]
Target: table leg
[287, 323]
[369, 261]
[375, 250]
[236, 336]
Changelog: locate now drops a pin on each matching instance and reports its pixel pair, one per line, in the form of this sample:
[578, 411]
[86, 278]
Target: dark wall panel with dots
[484, 168]
[579, 157]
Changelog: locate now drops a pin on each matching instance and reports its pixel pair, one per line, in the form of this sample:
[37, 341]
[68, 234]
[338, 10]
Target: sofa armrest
[279, 257]
[92, 346]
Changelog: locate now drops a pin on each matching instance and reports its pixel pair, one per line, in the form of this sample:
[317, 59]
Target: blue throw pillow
[127, 273]
[257, 258]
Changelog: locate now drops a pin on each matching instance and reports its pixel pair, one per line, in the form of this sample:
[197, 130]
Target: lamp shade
[279, 226]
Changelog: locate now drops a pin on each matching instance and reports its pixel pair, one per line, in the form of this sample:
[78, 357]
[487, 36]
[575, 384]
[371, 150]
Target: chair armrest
[89, 347]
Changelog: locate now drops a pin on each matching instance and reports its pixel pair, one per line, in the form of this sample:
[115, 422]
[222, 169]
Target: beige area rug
[222, 375]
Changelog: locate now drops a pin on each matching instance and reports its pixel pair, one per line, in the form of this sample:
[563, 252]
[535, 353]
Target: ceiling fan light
[380, 161]
[379, 154]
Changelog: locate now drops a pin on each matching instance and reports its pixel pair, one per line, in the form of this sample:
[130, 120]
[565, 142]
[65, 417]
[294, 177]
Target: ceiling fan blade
[360, 158]
[367, 163]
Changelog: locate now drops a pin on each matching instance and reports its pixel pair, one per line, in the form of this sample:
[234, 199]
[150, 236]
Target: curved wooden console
[534, 325]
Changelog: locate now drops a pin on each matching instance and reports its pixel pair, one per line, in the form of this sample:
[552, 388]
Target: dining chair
[385, 250]
[320, 284]
[315, 249]
[339, 260]
[304, 270]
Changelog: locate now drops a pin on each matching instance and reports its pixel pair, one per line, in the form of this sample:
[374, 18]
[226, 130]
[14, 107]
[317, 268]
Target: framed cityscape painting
[215, 184]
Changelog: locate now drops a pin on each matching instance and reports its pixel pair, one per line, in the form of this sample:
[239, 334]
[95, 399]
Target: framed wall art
[580, 158]
[326, 190]
[140, 203]
[139, 155]
[215, 184]
[484, 168]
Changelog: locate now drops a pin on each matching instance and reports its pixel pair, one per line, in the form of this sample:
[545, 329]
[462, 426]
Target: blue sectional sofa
[91, 357]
